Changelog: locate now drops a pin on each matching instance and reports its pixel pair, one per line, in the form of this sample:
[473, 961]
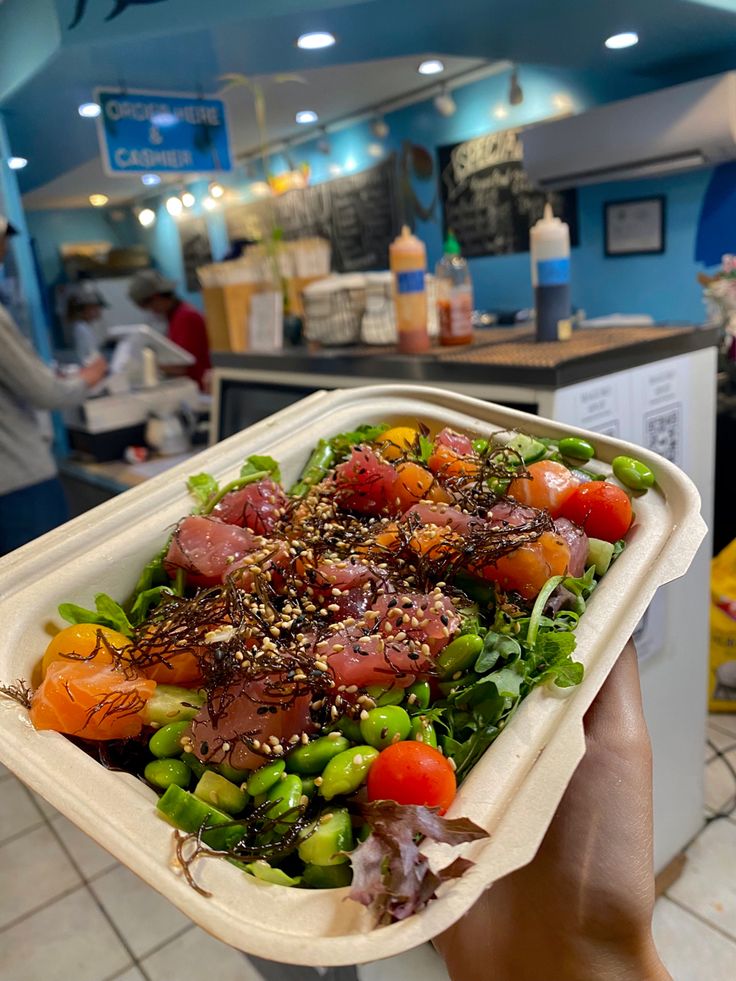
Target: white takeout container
[514, 790]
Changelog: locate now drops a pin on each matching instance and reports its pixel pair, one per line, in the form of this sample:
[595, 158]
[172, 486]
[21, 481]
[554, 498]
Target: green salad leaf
[107, 613]
[257, 464]
[203, 487]
[344, 442]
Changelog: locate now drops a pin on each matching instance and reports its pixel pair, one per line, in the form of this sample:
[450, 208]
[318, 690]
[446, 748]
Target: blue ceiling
[185, 45]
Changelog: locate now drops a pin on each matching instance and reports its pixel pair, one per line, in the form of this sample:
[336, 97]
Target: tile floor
[100, 923]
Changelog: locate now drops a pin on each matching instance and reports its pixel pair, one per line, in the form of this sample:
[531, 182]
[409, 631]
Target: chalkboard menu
[487, 198]
[357, 214]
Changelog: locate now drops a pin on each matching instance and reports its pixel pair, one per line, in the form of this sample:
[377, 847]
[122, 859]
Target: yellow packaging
[723, 631]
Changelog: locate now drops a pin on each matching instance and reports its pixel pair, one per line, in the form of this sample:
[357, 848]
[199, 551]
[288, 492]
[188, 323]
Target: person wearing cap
[186, 326]
[32, 499]
[84, 313]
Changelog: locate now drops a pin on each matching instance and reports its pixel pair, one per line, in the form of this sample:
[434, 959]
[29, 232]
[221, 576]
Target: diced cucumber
[327, 876]
[528, 448]
[170, 703]
[189, 813]
[213, 788]
[266, 873]
[330, 835]
[600, 554]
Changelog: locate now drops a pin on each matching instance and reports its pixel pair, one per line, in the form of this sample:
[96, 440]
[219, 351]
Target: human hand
[582, 909]
[93, 372]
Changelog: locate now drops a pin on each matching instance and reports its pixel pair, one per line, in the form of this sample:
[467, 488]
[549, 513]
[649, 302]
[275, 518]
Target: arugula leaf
[497, 646]
[202, 486]
[552, 645]
[152, 574]
[425, 447]
[256, 464]
[145, 601]
[344, 442]
[507, 682]
[566, 674]
[618, 548]
[107, 613]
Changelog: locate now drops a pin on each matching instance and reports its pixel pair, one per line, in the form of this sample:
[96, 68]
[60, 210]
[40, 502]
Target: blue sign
[146, 131]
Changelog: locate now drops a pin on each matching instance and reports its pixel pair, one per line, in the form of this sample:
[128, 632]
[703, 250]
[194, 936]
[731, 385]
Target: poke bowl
[379, 614]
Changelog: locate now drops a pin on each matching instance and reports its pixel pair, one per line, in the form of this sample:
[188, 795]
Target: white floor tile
[195, 955]
[721, 740]
[144, 918]
[707, 885]
[725, 721]
[17, 812]
[421, 963]
[89, 856]
[690, 950]
[33, 870]
[720, 784]
[131, 975]
[48, 809]
[70, 940]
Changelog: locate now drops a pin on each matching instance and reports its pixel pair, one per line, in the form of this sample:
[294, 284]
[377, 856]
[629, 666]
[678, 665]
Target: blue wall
[50, 229]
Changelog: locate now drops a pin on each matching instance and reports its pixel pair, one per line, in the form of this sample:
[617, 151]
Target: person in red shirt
[153, 292]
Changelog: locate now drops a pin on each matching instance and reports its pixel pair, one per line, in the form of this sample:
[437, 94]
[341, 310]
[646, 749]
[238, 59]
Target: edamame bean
[166, 741]
[480, 446]
[196, 766]
[385, 696]
[262, 779]
[633, 473]
[213, 788]
[350, 728]
[309, 787]
[326, 840]
[577, 448]
[385, 725]
[164, 773]
[423, 731]
[311, 758]
[422, 695]
[287, 796]
[346, 772]
[459, 654]
[230, 773]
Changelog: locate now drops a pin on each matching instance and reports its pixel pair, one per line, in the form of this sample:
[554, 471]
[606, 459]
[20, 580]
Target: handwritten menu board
[487, 198]
[358, 214]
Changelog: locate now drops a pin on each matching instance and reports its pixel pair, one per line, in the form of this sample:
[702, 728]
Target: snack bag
[723, 631]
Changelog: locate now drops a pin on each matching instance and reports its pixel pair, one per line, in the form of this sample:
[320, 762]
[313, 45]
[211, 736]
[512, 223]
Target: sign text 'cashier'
[160, 133]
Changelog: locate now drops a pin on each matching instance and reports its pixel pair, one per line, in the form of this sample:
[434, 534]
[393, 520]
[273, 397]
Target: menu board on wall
[487, 198]
[358, 214]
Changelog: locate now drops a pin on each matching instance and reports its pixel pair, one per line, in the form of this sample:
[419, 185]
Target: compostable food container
[512, 792]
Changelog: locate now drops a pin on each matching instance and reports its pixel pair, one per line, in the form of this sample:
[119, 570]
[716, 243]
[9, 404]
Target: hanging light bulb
[174, 206]
[379, 128]
[188, 199]
[146, 217]
[516, 93]
[444, 103]
[216, 190]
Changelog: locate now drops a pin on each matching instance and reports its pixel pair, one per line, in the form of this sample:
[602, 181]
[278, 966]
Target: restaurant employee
[31, 497]
[186, 326]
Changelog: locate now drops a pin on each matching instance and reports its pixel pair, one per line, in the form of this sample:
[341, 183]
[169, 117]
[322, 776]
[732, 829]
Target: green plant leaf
[107, 613]
[202, 486]
[256, 464]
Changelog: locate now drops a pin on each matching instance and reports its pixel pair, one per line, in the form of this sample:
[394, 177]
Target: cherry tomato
[601, 509]
[548, 485]
[85, 642]
[412, 773]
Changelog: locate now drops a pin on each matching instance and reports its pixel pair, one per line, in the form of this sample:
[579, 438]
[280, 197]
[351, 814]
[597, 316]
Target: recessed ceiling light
[314, 40]
[150, 180]
[624, 40]
[432, 66]
[146, 217]
[89, 110]
[17, 163]
[98, 200]
[188, 199]
[174, 206]
[306, 116]
[216, 190]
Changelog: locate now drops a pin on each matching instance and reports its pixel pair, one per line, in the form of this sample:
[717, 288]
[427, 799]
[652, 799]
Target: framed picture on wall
[635, 226]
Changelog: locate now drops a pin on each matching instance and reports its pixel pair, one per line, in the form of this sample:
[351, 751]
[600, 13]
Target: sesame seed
[318, 781]
[266, 749]
[452, 763]
[256, 744]
[333, 608]
[304, 739]
[363, 715]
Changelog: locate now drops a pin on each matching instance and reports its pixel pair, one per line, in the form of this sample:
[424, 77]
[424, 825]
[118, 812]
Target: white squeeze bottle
[549, 242]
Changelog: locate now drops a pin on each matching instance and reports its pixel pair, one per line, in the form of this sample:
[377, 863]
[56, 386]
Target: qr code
[663, 432]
